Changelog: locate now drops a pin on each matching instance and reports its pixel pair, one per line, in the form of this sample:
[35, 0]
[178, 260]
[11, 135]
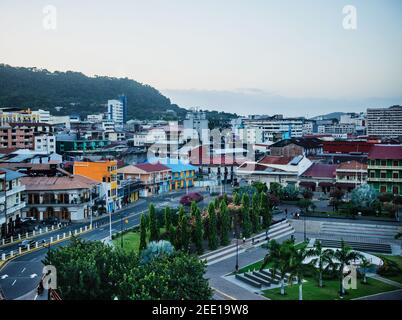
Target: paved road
[22, 274]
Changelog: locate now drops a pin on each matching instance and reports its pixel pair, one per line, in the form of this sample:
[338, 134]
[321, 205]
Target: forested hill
[77, 93]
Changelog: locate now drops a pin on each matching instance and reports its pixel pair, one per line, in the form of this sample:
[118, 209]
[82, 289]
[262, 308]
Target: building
[350, 175]
[45, 143]
[276, 128]
[95, 118]
[385, 168]
[79, 146]
[297, 146]
[348, 146]
[11, 200]
[104, 172]
[18, 115]
[22, 135]
[156, 177]
[196, 126]
[66, 197]
[22, 156]
[128, 190]
[117, 110]
[319, 177]
[384, 122]
[183, 175]
[283, 170]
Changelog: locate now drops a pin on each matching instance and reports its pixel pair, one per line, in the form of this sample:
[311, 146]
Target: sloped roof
[320, 170]
[352, 165]
[275, 160]
[386, 151]
[303, 142]
[58, 183]
[12, 175]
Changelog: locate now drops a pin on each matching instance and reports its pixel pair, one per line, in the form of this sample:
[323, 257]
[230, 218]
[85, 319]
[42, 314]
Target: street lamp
[237, 253]
[305, 235]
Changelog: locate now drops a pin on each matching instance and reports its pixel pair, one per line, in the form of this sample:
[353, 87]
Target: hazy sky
[254, 56]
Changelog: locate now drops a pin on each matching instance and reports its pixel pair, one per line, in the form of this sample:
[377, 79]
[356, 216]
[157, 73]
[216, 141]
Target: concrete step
[248, 281]
[357, 225]
[361, 246]
[360, 230]
[257, 279]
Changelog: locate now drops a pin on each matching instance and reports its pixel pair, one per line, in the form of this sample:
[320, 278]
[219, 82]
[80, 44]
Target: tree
[364, 265]
[194, 208]
[225, 224]
[322, 259]
[365, 197]
[297, 266]
[290, 192]
[260, 186]
[255, 213]
[344, 256]
[265, 210]
[153, 224]
[279, 257]
[336, 198]
[168, 218]
[236, 199]
[212, 228]
[276, 189]
[143, 233]
[185, 236]
[197, 233]
[156, 249]
[247, 227]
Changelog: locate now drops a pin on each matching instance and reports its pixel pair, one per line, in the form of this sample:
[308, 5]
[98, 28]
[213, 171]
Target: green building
[385, 168]
[78, 146]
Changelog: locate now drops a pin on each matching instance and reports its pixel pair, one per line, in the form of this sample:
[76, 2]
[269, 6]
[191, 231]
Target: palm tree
[364, 265]
[344, 256]
[279, 257]
[298, 267]
[322, 260]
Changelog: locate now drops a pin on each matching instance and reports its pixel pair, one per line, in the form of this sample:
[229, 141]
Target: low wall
[311, 226]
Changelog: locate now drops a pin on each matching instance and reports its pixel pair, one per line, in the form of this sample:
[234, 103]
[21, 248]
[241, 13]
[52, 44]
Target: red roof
[152, 167]
[275, 160]
[319, 170]
[386, 151]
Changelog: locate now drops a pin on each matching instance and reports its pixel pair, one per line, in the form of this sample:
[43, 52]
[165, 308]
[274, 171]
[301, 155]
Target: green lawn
[398, 260]
[131, 240]
[330, 291]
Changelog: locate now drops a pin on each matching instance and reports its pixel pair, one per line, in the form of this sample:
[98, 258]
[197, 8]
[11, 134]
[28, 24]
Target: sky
[247, 56]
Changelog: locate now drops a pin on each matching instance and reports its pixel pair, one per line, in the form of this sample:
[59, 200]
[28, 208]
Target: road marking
[13, 283]
[23, 270]
[36, 297]
[34, 275]
[4, 276]
[223, 294]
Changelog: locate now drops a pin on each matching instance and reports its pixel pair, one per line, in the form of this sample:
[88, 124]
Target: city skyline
[264, 57]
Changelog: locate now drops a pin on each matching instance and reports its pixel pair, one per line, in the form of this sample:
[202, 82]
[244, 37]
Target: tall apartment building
[385, 168]
[276, 128]
[384, 122]
[117, 110]
[196, 126]
[22, 135]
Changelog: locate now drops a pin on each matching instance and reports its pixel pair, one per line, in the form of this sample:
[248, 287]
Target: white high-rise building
[46, 143]
[384, 122]
[115, 110]
[196, 126]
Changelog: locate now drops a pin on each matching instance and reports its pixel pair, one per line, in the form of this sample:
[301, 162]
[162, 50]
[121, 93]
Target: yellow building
[102, 171]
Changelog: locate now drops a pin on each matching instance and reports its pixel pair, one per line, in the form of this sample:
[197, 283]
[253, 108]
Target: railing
[44, 244]
[28, 235]
[380, 167]
[385, 179]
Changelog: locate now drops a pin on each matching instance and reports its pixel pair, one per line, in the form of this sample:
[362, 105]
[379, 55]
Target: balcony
[379, 167]
[11, 210]
[392, 180]
[15, 190]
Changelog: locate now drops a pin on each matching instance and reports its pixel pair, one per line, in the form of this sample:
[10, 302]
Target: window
[395, 190]
[383, 174]
[383, 189]
[383, 163]
[395, 175]
[396, 163]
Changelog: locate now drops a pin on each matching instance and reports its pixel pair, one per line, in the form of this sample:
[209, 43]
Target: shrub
[187, 199]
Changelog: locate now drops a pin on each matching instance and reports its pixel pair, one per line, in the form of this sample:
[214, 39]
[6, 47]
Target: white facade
[95, 118]
[43, 115]
[115, 109]
[196, 126]
[384, 122]
[45, 143]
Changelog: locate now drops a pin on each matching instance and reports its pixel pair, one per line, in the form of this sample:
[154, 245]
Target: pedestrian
[286, 213]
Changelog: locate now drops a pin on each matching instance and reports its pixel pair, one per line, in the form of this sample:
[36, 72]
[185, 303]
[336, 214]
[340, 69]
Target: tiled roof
[386, 151]
[58, 183]
[152, 167]
[12, 175]
[352, 165]
[275, 160]
[319, 170]
[303, 142]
